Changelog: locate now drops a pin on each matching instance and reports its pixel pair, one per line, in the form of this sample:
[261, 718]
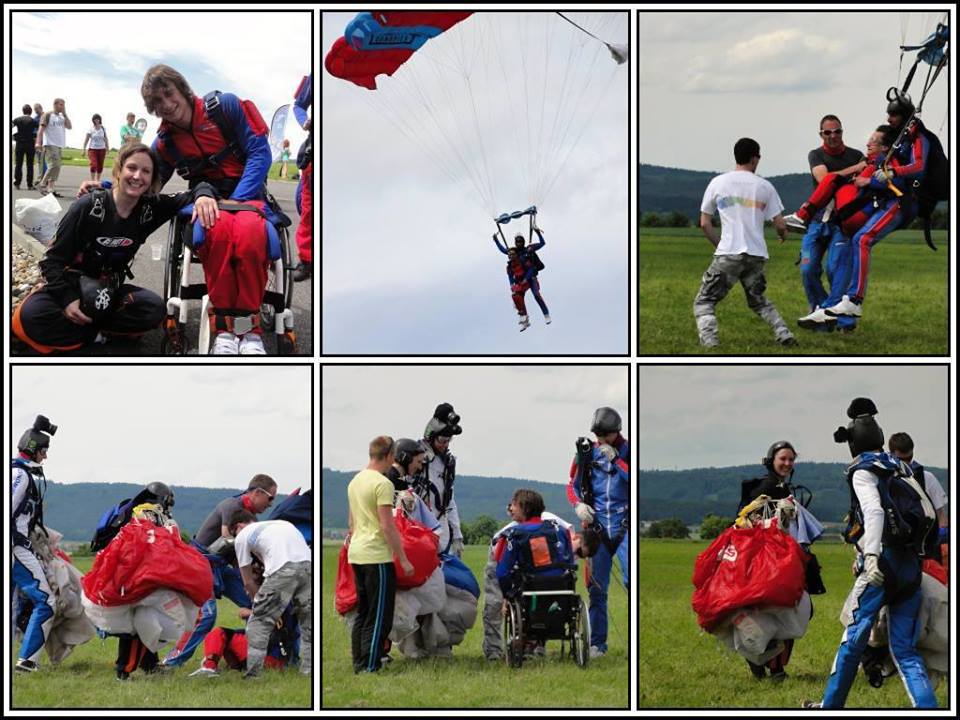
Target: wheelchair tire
[513, 636]
[580, 642]
[268, 311]
[171, 270]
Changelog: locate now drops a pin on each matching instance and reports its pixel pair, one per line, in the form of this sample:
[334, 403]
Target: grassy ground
[676, 658]
[73, 156]
[86, 679]
[468, 680]
[905, 312]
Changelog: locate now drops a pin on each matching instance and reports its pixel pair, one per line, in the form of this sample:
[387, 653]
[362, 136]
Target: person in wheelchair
[222, 140]
[85, 271]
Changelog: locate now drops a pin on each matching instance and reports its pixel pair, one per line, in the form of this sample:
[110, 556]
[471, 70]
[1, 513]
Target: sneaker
[759, 671]
[204, 671]
[778, 676]
[252, 344]
[522, 319]
[845, 307]
[303, 271]
[250, 675]
[795, 223]
[817, 319]
[596, 652]
[226, 343]
[846, 329]
[525, 324]
[26, 666]
[788, 341]
[710, 343]
[16, 186]
[547, 320]
[811, 704]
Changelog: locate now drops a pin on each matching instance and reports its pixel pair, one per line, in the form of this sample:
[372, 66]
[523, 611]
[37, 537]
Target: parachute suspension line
[512, 102]
[540, 157]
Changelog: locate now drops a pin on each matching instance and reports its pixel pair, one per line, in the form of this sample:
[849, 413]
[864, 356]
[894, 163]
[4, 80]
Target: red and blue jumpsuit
[522, 274]
[303, 100]
[234, 251]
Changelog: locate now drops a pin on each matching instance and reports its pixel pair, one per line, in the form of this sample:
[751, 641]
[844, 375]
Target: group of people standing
[408, 473]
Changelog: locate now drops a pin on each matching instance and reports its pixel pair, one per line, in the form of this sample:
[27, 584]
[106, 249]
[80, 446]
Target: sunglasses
[828, 133]
[267, 494]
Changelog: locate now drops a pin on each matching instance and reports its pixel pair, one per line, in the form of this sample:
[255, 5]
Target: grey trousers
[719, 279]
[492, 617]
[294, 581]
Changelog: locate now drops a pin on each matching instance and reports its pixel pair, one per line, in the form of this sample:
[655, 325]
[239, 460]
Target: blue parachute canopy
[297, 508]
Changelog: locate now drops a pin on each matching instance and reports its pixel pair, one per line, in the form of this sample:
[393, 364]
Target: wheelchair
[547, 608]
[275, 311]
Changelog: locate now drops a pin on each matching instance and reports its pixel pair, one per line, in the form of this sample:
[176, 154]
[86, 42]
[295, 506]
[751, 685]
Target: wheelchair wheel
[580, 642]
[268, 312]
[513, 636]
[174, 259]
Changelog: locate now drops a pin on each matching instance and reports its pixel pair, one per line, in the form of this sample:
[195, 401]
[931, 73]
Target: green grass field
[468, 680]
[683, 667]
[86, 679]
[905, 311]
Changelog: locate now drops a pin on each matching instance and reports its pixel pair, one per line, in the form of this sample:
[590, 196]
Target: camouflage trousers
[719, 279]
[292, 582]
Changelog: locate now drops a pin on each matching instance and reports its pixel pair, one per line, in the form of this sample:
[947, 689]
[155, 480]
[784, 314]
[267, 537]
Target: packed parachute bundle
[751, 583]
[297, 509]
[486, 96]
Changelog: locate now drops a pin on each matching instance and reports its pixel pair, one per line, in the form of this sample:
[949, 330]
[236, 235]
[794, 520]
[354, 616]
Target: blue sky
[95, 61]
[408, 261]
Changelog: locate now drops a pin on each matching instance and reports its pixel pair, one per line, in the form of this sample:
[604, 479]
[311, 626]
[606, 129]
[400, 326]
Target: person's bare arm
[706, 225]
[390, 534]
[249, 582]
[818, 171]
[780, 226]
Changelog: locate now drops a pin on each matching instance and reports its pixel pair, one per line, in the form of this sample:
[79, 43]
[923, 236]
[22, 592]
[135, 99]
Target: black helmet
[163, 495]
[863, 434]
[36, 437]
[405, 449]
[606, 420]
[773, 450]
[444, 423]
[519, 240]
[899, 103]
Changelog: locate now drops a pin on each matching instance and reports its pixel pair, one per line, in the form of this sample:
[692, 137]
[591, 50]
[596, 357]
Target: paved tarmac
[149, 273]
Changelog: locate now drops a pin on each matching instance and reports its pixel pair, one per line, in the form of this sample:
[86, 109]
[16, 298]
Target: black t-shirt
[26, 130]
[817, 156]
[769, 485]
[90, 245]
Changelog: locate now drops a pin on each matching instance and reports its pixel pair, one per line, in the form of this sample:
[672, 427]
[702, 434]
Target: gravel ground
[25, 276]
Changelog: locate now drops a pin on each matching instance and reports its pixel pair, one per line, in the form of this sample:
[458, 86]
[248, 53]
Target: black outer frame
[309, 367]
[631, 320]
[633, 666]
[946, 366]
[712, 355]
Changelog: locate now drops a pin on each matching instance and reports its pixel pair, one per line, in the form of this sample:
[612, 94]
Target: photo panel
[181, 534]
[820, 193]
[781, 506]
[163, 188]
[508, 488]
[446, 148]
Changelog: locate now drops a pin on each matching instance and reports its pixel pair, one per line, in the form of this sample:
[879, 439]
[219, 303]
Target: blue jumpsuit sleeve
[538, 245]
[501, 248]
[256, 147]
[303, 99]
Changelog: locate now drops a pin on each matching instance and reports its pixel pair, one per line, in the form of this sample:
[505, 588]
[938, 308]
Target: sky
[409, 265]
[709, 78]
[713, 416]
[517, 422]
[192, 426]
[96, 61]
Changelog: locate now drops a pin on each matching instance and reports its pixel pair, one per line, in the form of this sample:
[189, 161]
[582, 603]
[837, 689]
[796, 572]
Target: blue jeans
[826, 240]
[599, 584]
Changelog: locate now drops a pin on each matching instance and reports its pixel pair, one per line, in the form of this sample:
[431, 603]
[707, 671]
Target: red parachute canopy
[380, 42]
[749, 566]
[143, 558]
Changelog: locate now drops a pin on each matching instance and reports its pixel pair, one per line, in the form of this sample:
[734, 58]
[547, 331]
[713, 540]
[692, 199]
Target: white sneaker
[226, 343]
[26, 666]
[596, 652]
[524, 325]
[817, 317]
[845, 307]
[795, 223]
[523, 319]
[546, 319]
[252, 344]
[811, 704]
[204, 672]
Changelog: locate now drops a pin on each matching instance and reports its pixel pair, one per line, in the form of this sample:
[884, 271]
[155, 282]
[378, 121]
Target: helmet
[519, 240]
[773, 450]
[405, 449]
[445, 422]
[163, 494]
[899, 103]
[863, 433]
[36, 437]
[606, 420]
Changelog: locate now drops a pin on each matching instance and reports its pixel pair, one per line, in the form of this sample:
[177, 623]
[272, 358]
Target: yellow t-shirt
[368, 490]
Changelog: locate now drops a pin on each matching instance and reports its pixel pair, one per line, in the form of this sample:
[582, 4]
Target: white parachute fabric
[500, 101]
[160, 617]
[757, 633]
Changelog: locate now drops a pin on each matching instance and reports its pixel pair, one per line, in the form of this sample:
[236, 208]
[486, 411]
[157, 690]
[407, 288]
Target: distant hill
[691, 494]
[475, 496]
[74, 509]
[666, 190]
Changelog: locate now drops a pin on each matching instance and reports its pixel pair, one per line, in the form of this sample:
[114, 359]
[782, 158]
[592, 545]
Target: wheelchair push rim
[513, 636]
[580, 641]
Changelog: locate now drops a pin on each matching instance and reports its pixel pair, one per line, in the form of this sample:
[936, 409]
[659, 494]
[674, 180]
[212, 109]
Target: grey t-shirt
[817, 156]
[210, 530]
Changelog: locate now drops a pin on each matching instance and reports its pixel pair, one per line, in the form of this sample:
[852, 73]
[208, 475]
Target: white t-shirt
[98, 138]
[55, 132]
[934, 490]
[275, 542]
[744, 200]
